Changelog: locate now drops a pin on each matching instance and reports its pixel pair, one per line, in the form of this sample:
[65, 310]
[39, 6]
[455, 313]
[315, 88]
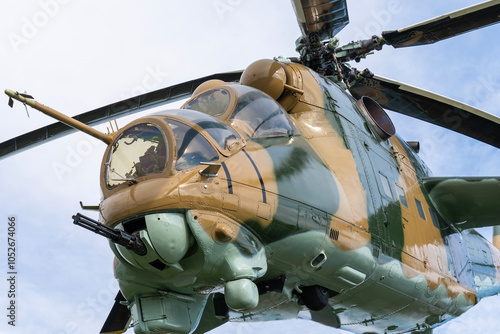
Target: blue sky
[76, 56]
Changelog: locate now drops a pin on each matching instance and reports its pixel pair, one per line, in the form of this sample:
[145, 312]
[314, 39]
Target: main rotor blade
[446, 26]
[430, 107]
[111, 111]
[324, 17]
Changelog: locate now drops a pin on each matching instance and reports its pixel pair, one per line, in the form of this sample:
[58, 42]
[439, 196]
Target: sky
[77, 56]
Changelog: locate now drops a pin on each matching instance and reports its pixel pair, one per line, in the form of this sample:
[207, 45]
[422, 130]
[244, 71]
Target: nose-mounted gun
[130, 241]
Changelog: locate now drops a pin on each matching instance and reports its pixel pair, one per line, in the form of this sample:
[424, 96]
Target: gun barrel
[130, 241]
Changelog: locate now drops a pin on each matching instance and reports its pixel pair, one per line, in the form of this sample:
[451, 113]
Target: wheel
[315, 297]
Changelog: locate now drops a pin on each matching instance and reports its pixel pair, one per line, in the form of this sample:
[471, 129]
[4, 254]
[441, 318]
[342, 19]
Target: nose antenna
[28, 100]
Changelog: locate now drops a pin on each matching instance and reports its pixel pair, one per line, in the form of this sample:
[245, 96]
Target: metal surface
[75, 124]
[119, 317]
[372, 235]
[131, 242]
[445, 26]
[467, 202]
[322, 17]
[335, 226]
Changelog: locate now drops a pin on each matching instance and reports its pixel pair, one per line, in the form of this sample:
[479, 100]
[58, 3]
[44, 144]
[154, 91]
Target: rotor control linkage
[130, 241]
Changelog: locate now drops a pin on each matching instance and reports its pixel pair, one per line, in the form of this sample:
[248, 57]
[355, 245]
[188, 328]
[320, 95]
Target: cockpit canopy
[202, 132]
[248, 109]
[193, 147]
[220, 132]
[141, 150]
[213, 102]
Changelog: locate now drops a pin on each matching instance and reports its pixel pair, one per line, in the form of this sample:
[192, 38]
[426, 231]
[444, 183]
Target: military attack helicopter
[317, 236]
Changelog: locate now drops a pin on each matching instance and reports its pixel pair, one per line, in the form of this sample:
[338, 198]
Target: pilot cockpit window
[258, 115]
[213, 102]
[192, 147]
[222, 133]
[141, 150]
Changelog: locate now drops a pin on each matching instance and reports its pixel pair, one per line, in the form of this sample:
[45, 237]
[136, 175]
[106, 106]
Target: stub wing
[467, 202]
[118, 319]
[214, 315]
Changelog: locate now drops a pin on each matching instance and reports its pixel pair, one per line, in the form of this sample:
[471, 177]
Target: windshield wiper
[112, 170]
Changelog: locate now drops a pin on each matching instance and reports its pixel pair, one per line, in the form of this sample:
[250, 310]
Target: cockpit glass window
[213, 102]
[220, 132]
[141, 150]
[259, 115]
[192, 147]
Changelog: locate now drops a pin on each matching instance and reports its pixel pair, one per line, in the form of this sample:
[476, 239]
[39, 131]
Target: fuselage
[311, 195]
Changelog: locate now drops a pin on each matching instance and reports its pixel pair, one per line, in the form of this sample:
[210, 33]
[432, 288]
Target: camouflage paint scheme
[319, 207]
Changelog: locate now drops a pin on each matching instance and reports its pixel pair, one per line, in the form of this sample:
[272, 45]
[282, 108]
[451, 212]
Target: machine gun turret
[130, 241]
